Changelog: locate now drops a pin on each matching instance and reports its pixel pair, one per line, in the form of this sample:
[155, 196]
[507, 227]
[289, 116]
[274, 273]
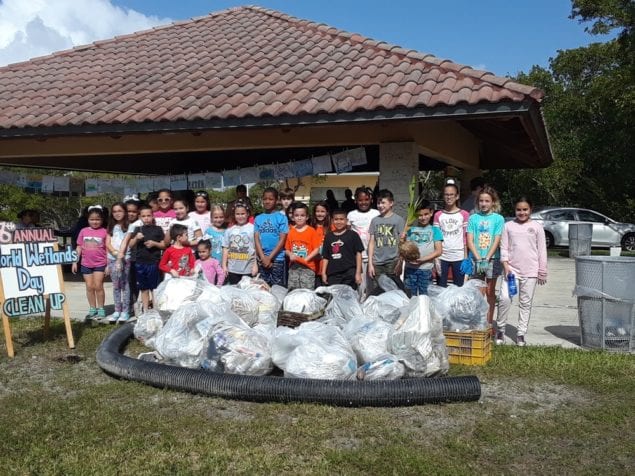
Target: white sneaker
[500, 338]
[113, 317]
[520, 341]
[123, 318]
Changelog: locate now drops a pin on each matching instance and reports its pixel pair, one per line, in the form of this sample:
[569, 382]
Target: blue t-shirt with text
[269, 227]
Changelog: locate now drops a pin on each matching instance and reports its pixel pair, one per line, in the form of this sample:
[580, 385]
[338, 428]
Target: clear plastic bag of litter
[268, 306]
[387, 306]
[279, 292]
[172, 293]
[247, 282]
[314, 350]
[386, 283]
[148, 326]
[343, 307]
[461, 308]
[303, 301]
[368, 337]
[180, 341]
[235, 348]
[242, 303]
[415, 340]
[210, 293]
[385, 367]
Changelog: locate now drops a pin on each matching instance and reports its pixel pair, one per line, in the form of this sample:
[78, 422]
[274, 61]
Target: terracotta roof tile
[236, 63]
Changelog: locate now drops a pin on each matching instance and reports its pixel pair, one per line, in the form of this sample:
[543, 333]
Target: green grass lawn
[544, 410]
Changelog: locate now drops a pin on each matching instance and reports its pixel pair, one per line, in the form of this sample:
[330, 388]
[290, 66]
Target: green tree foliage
[588, 108]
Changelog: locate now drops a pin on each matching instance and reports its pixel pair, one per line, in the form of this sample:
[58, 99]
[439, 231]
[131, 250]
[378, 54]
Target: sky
[501, 36]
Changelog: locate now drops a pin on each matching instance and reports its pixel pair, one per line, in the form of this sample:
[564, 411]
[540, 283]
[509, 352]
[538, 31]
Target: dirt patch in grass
[518, 396]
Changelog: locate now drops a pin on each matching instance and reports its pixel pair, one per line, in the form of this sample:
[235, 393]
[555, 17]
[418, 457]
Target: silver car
[606, 231]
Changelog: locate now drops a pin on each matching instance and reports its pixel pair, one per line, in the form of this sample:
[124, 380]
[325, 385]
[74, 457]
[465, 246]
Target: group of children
[289, 246]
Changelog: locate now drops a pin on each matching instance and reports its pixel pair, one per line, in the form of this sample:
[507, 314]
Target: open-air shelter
[248, 86]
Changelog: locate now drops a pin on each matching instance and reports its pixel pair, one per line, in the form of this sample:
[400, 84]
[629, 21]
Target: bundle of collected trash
[233, 329]
[461, 308]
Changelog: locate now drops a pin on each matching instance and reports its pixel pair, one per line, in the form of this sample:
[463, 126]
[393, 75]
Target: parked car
[606, 231]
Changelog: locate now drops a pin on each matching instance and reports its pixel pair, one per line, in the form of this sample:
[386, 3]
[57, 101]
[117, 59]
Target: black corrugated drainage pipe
[349, 393]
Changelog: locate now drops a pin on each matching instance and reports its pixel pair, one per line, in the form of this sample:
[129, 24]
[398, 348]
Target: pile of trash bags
[233, 329]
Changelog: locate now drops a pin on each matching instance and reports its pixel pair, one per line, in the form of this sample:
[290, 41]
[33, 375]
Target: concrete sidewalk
[554, 319]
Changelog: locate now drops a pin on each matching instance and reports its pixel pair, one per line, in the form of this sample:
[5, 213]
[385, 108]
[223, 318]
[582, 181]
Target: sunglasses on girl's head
[201, 194]
[163, 199]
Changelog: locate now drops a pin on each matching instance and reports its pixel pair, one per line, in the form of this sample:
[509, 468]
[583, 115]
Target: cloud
[39, 27]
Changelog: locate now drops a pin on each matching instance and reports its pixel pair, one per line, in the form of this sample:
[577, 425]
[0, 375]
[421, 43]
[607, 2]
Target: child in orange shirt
[302, 247]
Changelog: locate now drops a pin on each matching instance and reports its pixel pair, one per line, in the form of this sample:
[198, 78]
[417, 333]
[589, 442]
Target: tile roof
[238, 63]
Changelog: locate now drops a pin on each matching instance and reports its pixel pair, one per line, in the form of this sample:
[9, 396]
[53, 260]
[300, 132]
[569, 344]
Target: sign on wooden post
[31, 280]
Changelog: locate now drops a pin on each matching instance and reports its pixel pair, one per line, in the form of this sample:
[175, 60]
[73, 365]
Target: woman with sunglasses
[201, 212]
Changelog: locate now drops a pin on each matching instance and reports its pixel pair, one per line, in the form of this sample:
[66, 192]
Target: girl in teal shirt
[484, 231]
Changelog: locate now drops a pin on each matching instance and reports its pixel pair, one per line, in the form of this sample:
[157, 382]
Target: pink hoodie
[523, 246]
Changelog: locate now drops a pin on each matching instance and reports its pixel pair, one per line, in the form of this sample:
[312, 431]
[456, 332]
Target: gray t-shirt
[241, 253]
[386, 232]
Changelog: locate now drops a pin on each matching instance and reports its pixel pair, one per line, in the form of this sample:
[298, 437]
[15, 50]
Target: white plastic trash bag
[343, 307]
[412, 339]
[461, 308]
[314, 350]
[241, 303]
[387, 306]
[268, 306]
[211, 294]
[279, 292]
[303, 301]
[247, 282]
[235, 348]
[368, 338]
[147, 327]
[172, 293]
[385, 367]
[180, 341]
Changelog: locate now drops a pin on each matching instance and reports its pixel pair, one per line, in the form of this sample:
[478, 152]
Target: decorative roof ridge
[413, 55]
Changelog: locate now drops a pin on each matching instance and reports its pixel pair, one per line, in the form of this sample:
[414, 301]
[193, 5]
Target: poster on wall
[161, 183]
[303, 168]
[266, 172]
[249, 175]
[231, 178]
[213, 180]
[322, 164]
[178, 182]
[196, 181]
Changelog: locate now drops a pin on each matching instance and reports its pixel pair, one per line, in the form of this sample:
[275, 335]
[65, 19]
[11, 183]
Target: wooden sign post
[31, 280]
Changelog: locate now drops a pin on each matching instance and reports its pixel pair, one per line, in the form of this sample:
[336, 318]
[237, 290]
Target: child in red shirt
[178, 259]
[302, 248]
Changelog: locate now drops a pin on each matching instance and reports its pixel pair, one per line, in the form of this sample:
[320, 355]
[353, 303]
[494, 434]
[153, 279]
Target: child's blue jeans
[277, 274]
[417, 280]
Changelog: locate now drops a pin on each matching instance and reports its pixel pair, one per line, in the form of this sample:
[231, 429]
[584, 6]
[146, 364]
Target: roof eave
[461, 111]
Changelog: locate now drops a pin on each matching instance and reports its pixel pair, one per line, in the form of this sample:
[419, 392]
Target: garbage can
[605, 288]
[580, 235]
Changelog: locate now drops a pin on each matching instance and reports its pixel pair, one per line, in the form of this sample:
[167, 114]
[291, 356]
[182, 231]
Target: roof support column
[398, 162]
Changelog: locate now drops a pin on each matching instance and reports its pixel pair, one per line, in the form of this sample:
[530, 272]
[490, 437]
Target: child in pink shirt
[523, 253]
[93, 256]
[210, 267]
